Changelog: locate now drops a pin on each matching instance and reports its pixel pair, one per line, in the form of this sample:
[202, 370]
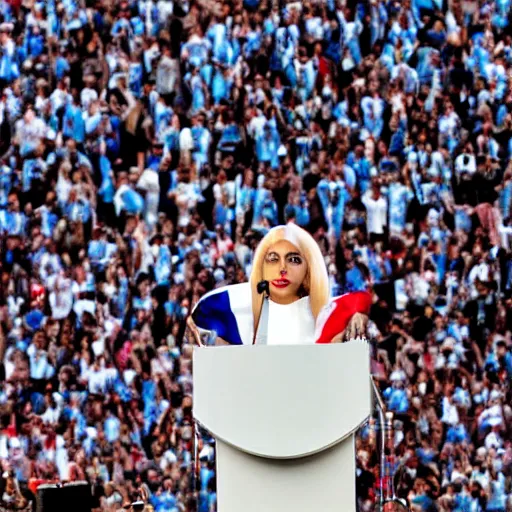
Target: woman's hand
[356, 328]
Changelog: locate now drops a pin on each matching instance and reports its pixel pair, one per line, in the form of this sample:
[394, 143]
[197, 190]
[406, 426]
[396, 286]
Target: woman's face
[285, 268]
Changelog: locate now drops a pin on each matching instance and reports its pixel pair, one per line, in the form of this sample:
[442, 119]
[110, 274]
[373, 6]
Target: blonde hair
[316, 283]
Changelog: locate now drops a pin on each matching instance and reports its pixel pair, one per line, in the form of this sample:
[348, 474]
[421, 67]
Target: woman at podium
[286, 301]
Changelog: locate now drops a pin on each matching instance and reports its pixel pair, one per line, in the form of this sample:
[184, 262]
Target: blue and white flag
[227, 311]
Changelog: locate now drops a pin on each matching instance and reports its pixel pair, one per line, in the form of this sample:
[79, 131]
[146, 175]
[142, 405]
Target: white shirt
[61, 296]
[470, 167]
[97, 381]
[291, 324]
[62, 458]
[87, 96]
[167, 75]
[149, 182]
[51, 416]
[450, 413]
[31, 133]
[165, 9]
[480, 272]
[227, 188]
[40, 368]
[505, 233]
[448, 123]
[376, 213]
[256, 125]
[168, 459]
[4, 447]
[493, 440]
[59, 98]
[63, 188]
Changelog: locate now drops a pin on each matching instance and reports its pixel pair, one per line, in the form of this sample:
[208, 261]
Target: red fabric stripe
[347, 306]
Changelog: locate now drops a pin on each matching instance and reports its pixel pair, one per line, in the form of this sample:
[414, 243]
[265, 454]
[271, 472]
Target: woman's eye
[295, 260]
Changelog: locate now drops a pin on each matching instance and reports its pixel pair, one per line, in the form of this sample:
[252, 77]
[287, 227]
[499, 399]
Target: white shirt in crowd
[469, 166]
[376, 213]
[149, 182]
[87, 96]
[479, 272]
[61, 296]
[450, 413]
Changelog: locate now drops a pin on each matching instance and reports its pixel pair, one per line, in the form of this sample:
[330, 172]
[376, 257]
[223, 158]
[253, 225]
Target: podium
[284, 419]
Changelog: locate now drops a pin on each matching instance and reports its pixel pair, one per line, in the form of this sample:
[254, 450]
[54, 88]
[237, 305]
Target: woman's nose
[283, 271]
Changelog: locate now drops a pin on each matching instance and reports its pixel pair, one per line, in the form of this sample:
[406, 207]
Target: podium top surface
[282, 401]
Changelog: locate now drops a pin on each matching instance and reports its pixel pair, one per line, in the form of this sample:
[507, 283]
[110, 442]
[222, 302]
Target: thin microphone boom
[263, 287]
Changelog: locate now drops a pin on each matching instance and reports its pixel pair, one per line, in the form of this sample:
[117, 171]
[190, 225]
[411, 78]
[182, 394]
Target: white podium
[284, 419]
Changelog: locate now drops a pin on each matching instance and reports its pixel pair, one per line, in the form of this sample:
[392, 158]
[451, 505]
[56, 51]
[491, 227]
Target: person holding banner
[288, 269]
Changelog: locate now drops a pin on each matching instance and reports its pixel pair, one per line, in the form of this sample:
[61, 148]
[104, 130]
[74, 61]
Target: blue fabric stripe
[213, 312]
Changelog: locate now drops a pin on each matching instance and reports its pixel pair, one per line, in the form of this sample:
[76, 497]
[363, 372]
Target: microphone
[263, 286]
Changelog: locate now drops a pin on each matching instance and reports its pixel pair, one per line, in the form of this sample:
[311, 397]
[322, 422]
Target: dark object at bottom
[74, 496]
[48, 497]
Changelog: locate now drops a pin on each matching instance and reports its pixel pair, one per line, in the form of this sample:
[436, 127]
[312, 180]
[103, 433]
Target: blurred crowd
[147, 146]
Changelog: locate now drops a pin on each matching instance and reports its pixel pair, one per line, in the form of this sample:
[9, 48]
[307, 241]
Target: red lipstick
[280, 283]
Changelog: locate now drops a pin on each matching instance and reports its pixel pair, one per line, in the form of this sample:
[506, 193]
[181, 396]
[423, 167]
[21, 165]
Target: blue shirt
[13, 223]
[164, 502]
[73, 123]
[397, 400]
[112, 429]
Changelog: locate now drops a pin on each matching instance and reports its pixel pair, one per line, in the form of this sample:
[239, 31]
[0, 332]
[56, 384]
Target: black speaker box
[75, 496]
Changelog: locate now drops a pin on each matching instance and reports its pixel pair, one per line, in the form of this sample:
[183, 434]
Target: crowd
[146, 147]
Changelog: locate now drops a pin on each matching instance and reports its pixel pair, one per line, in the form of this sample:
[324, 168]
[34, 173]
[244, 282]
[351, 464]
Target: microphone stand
[386, 427]
[381, 408]
[195, 477]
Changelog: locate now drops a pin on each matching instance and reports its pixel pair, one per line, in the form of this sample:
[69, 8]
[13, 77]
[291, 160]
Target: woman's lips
[280, 283]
